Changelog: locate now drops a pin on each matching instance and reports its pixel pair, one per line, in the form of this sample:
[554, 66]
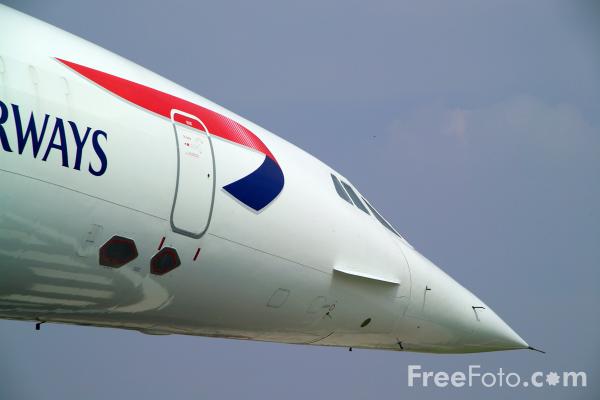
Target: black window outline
[340, 189]
[355, 198]
[380, 218]
[346, 192]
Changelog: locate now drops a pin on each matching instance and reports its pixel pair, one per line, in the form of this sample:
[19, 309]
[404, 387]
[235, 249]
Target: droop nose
[491, 333]
[446, 317]
[477, 327]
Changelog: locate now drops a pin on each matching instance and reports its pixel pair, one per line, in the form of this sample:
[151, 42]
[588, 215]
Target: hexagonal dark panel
[117, 251]
[164, 261]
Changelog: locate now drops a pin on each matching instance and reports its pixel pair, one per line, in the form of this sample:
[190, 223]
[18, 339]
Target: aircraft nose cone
[449, 318]
[492, 333]
[487, 331]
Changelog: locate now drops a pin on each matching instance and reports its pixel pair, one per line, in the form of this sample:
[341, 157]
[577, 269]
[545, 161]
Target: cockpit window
[380, 218]
[354, 197]
[339, 189]
[345, 191]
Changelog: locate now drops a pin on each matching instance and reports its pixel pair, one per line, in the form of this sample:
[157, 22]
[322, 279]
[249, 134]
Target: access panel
[195, 185]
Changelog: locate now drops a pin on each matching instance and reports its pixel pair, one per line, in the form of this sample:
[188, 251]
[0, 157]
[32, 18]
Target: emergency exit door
[195, 183]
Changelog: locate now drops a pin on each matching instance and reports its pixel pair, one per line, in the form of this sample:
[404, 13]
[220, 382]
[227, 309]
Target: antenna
[538, 350]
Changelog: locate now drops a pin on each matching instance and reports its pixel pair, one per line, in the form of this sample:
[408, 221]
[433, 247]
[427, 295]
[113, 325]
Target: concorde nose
[476, 325]
[449, 317]
[490, 332]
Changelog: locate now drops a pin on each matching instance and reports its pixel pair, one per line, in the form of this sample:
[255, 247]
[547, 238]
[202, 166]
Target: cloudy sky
[474, 126]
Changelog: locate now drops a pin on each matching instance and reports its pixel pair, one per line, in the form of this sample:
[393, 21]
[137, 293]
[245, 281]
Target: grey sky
[474, 126]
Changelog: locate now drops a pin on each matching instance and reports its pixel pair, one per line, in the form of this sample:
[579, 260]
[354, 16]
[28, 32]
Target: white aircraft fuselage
[130, 202]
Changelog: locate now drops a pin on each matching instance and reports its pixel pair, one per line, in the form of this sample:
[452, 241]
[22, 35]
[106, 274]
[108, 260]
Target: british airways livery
[130, 202]
[27, 131]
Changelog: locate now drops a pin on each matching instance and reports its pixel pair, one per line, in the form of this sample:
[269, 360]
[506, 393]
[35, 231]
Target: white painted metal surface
[101, 164]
